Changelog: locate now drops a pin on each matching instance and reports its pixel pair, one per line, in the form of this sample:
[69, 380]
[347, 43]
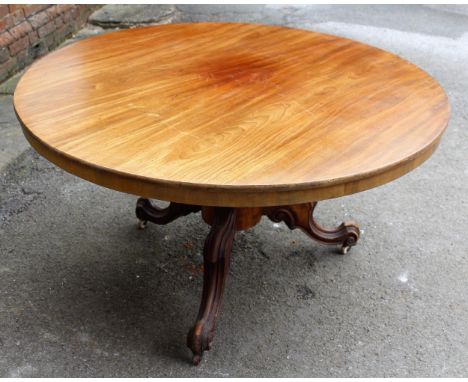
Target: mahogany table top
[227, 114]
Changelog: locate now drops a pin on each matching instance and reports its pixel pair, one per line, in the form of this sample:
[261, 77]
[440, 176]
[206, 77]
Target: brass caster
[344, 249]
[142, 224]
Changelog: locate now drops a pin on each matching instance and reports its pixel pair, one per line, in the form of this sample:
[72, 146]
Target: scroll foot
[196, 359]
[301, 216]
[142, 224]
[216, 253]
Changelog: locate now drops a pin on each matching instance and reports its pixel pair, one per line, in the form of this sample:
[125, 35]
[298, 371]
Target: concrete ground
[85, 294]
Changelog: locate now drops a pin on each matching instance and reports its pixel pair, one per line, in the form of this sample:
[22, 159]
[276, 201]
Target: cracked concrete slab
[8, 87]
[131, 15]
[12, 139]
[83, 293]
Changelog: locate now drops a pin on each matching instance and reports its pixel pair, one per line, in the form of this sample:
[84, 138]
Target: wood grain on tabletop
[230, 114]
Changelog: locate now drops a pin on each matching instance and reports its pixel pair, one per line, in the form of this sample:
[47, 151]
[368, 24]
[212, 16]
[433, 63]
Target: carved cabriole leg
[216, 255]
[218, 244]
[146, 211]
[302, 216]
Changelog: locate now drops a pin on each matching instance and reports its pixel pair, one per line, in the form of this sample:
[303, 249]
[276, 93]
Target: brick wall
[30, 31]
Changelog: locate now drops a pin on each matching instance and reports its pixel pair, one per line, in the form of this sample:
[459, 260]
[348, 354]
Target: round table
[235, 120]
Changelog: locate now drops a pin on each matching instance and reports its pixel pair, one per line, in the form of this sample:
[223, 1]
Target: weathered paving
[84, 293]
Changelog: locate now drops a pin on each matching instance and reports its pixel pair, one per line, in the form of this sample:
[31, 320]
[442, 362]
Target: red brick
[4, 54]
[59, 21]
[6, 39]
[15, 7]
[33, 37]
[74, 13]
[6, 22]
[7, 67]
[61, 33]
[62, 8]
[46, 29]
[17, 16]
[20, 30]
[33, 8]
[39, 19]
[8, 64]
[11, 19]
[67, 16]
[4, 10]
[50, 41]
[48, 26]
[52, 12]
[18, 45]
